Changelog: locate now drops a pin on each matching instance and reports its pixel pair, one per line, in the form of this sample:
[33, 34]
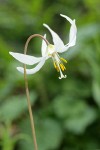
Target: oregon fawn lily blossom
[49, 51]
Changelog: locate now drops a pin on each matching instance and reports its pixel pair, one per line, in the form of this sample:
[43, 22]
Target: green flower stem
[27, 90]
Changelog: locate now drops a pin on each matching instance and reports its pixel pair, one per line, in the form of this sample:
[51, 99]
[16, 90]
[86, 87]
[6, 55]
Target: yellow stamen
[62, 67]
[64, 60]
[56, 67]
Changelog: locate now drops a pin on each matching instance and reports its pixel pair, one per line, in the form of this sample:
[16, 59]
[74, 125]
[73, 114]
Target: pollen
[62, 67]
[56, 66]
[64, 60]
[59, 64]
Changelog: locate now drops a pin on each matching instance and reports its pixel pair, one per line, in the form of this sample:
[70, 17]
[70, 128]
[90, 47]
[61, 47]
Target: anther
[64, 60]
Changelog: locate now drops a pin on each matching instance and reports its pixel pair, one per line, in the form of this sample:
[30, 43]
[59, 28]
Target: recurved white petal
[44, 47]
[26, 59]
[56, 39]
[33, 70]
[69, 19]
[73, 31]
[72, 34]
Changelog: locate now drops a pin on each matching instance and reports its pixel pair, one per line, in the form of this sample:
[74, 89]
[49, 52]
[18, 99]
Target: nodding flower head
[49, 51]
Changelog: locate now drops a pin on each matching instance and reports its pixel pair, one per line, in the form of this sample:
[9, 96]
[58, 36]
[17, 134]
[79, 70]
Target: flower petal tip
[44, 36]
[74, 20]
[20, 69]
[61, 15]
[45, 25]
[10, 53]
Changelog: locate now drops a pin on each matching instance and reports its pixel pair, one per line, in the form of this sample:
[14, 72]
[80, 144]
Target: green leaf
[48, 131]
[76, 114]
[13, 107]
[78, 123]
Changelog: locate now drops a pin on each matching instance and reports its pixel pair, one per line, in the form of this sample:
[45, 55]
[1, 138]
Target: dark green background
[67, 111]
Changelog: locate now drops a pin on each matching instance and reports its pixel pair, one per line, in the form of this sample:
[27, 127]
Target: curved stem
[27, 90]
[32, 36]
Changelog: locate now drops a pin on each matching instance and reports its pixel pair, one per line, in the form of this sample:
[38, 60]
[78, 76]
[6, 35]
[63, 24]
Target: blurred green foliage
[67, 112]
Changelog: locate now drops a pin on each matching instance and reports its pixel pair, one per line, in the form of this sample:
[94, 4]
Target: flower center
[50, 49]
[57, 60]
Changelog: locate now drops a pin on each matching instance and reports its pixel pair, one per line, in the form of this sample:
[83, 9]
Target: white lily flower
[49, 51]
